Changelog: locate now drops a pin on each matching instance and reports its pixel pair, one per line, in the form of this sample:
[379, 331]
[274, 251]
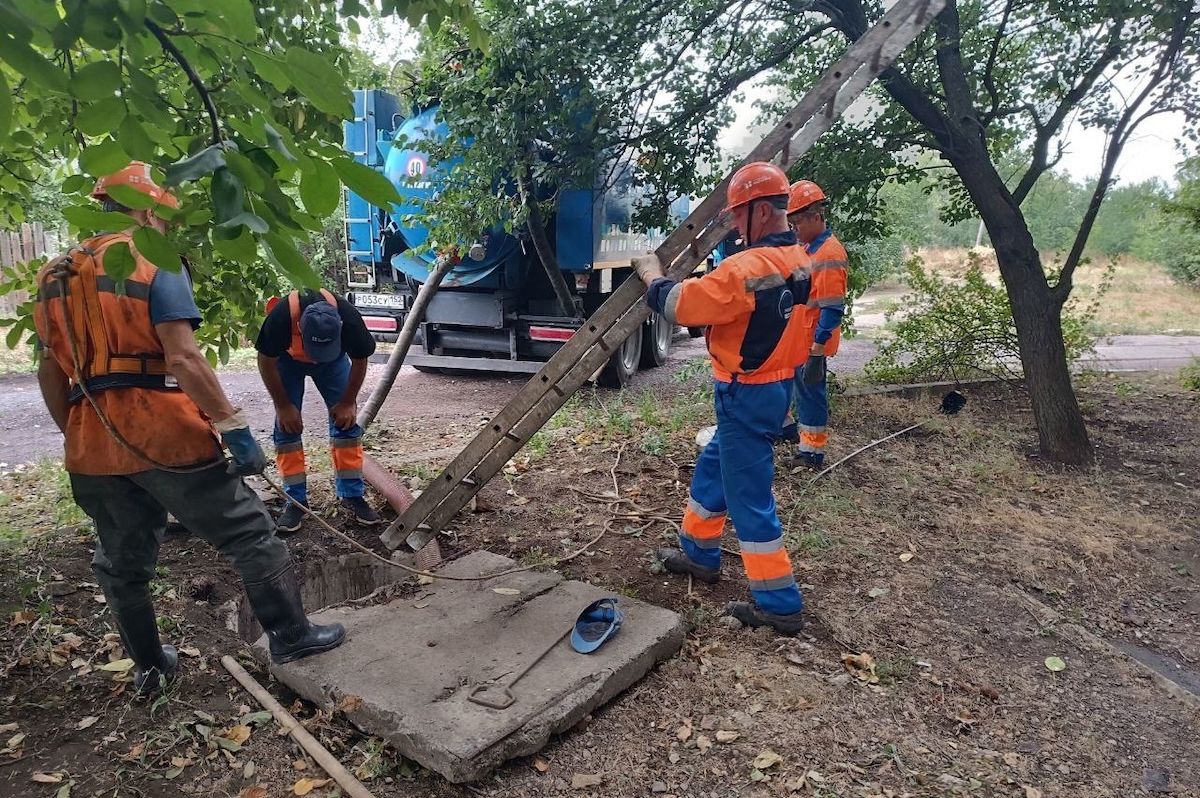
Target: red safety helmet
[137, 176]
[802, 194]
[753, 181]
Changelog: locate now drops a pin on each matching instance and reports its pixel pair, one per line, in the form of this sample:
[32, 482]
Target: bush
[1189, 375]
[955, 330]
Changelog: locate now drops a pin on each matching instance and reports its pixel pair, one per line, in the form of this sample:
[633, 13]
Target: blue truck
[497, 310]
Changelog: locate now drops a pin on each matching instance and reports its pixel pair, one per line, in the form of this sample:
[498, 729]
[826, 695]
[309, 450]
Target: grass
[1189, 375]
[1142, 299]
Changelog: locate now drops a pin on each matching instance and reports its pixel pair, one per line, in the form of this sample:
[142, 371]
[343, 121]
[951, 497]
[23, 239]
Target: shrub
[1189, 375]
[961, 329]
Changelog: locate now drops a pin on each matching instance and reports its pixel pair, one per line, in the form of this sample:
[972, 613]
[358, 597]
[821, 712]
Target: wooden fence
[21, 246]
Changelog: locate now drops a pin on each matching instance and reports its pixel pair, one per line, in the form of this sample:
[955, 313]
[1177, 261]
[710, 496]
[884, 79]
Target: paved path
[27, 434]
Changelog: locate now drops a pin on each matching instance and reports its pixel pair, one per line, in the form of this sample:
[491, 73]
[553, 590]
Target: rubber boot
[154, 663]
[749, 613]
[292, 636]
[677, 562]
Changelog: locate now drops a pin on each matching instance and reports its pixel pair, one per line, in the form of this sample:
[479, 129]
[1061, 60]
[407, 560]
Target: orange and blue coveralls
[280, 338]
[754, 340]
[822, 324]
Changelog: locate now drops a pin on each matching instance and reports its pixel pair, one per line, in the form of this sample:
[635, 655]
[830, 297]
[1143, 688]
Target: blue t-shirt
[171, 298]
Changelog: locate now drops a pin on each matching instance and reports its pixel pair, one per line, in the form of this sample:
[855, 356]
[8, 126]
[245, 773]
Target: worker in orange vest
[140, 409]
[822, 317]
[322, 336]
[748, 304]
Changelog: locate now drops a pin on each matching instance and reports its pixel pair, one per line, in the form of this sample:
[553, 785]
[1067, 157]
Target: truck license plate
[379, 300]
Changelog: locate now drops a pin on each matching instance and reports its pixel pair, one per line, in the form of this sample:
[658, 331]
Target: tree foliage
[238, 106]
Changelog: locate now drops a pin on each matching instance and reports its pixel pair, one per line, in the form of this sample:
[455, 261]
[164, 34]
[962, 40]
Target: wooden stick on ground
[350, 785]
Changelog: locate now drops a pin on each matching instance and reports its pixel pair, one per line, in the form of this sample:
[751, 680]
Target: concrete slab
[414, 662]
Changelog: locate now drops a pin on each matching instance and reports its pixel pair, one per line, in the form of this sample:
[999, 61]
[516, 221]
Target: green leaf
[240, 249]
[90, 218]
[245, 170]
[227, 195]
[99, 118]
[270, 70]
[238, 16]
[156, 248]
[33, 65]
[103, 158]
[5, 107]
[75, 184]
[65, 790]
[202, 164]
[119, 262]
[255, 223]
[320, 188]
[172, 773]
[14, 336]
[227, 744]
[276, 143]
[319, 81]
[135, 141]
[130, 197]
[366, 182]
[96, 80]
[256, 718]
[1055, 664]
[288, 258]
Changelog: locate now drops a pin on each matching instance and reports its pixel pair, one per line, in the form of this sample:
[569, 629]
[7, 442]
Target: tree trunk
[1062, 433]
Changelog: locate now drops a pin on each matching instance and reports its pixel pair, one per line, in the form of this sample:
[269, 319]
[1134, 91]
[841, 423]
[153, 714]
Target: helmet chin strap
[750, 224]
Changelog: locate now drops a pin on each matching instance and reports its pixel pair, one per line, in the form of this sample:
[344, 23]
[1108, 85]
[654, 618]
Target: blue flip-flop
[596, 624]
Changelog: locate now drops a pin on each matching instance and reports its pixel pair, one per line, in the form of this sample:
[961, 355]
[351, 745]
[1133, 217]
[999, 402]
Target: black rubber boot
[154, 663]
[277, 605]
[748, 613]
[675, 561]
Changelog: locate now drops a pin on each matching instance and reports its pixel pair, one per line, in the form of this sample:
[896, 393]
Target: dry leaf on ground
[238, 734]
[87, 723]
[253, 792]
[541, 765]
[581, 780]
[351, 703]
[724, 736]
[767, 759]
[47, 778]
[117, 666]
[306, 785]
[1032, 792]
[506, 591]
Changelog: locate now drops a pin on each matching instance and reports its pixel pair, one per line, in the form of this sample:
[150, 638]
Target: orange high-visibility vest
[121, 362]
[830, 273]
[751, 305]
[296, 350]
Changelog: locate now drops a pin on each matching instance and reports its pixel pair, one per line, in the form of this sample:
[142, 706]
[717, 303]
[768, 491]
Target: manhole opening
[325, 583]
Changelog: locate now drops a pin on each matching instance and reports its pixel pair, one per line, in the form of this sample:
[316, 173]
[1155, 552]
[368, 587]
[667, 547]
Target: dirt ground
[943, 573]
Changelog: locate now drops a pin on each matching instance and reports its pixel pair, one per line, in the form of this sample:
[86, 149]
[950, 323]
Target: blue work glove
[248, 456]
[814, 370]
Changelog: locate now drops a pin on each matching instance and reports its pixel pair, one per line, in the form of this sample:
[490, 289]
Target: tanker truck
[497, 310]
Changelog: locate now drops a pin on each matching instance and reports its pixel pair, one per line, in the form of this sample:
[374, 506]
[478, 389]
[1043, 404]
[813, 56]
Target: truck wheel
[656, 341]
[623, 363]
[696, 332]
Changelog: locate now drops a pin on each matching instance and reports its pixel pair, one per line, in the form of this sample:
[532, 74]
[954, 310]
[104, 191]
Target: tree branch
[1047, 130]
[1120, 135]
[174, 52]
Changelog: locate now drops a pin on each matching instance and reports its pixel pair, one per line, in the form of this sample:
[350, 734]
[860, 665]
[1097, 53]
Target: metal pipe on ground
[399, 497]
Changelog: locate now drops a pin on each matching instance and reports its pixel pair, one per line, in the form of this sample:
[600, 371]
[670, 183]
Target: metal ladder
[587, 350]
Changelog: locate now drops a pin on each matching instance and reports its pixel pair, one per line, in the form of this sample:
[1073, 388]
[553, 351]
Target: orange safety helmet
[756, 180]
[137, 176]
[802, 194]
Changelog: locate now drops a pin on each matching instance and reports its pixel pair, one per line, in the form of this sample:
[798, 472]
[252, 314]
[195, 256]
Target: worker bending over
[322, 336]
[754, 339]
